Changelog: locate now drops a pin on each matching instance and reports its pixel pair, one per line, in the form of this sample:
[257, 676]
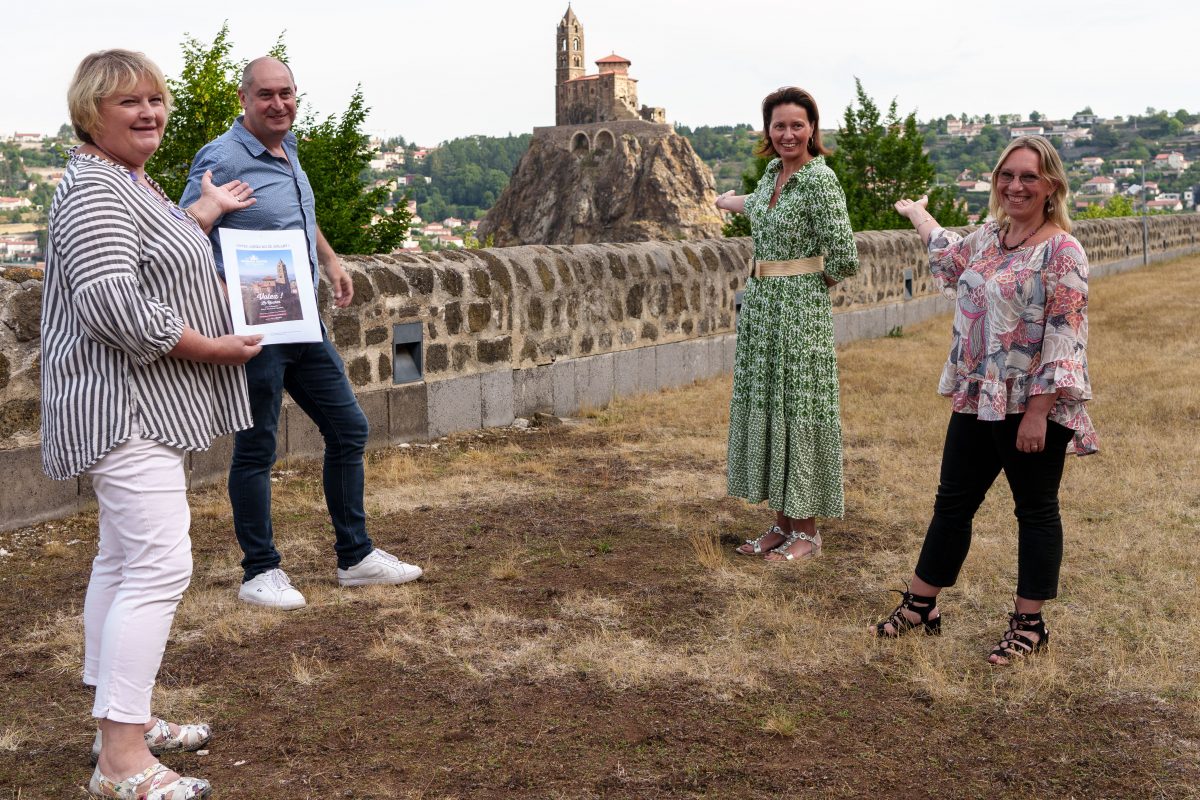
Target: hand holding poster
[270, 285]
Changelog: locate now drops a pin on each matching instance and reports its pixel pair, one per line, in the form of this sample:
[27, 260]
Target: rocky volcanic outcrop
[639, 188]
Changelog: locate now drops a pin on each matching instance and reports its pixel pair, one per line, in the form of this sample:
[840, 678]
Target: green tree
[1035, 116]
[334, 153]
[1105, 136]
[206, 104]
[880, 161]
[739, 224]
[1116, 206]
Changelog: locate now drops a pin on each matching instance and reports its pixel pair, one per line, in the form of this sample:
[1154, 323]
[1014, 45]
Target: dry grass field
[584, 630]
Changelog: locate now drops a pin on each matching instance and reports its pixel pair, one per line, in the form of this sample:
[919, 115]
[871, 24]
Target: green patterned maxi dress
[785, 430]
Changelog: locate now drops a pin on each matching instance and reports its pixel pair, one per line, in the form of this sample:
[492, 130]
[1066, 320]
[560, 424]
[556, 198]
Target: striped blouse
[125, 273]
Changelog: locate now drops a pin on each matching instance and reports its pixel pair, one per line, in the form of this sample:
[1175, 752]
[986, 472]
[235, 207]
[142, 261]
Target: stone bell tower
[568, 49]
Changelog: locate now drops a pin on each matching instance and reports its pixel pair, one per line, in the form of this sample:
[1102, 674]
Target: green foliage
[12, 171]
[206, 104]
[334, 153]
[880, 161]
[719, 142]
[1116, 206]
[467, 175]
[739, 224]
[472, 242]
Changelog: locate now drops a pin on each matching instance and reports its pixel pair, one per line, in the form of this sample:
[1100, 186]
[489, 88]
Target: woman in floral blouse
[785, 433]
[1017, 377]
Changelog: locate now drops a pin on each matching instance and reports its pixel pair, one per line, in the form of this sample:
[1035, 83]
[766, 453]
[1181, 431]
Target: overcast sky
[433, 71]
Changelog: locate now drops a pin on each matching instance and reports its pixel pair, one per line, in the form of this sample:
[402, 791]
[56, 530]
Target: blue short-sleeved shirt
[285, 197]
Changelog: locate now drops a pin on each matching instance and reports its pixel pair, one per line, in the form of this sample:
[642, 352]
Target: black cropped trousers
[974, 454]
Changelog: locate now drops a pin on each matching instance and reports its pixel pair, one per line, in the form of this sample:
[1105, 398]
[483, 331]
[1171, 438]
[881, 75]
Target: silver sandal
[756, 544]
[798, 536]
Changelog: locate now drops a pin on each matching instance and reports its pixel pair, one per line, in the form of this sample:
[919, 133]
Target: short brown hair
[796, 96]
[1050, 167]
[102, 75]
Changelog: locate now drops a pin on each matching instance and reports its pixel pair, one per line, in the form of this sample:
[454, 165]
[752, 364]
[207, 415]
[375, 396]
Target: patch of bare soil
[584, 630]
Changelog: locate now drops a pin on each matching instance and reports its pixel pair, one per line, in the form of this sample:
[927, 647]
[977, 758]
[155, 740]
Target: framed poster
[269, 280]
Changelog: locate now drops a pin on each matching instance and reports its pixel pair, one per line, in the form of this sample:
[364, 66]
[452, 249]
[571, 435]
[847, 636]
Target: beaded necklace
[1008, 226]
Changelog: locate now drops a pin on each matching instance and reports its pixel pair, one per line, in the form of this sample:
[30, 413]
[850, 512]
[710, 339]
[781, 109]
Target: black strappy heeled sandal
[1014, 645]
[918, 604]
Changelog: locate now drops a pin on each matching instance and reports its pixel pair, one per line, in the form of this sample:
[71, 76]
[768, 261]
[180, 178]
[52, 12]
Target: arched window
[575, 43]
[577, 61]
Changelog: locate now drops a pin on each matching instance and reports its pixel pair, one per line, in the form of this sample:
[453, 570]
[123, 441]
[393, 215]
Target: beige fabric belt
[782, 269]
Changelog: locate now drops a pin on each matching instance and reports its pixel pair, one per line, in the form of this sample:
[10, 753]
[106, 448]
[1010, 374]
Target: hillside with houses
[1144, 162]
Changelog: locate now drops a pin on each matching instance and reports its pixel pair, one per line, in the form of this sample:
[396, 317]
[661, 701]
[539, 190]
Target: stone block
[29, 496]
[729, 351]
[671, 365]
[455, 404]
[647, 369]
[375, 407]
[715, 356]
[594, 381]
[562, 377]
[695, 359]
[533, 390]
[206, 467]
[408, 413]
[299, 435]
[634, 372]
[845, 326]
[496, 389]
[625, 373]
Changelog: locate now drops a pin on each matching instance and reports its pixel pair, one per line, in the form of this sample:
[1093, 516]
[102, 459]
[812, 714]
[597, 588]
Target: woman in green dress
[785, 432]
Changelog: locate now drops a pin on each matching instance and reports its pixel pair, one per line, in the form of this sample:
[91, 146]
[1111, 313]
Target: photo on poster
[270, 285]
[269, 290]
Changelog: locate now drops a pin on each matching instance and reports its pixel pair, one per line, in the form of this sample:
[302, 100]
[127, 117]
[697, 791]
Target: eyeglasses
[1026, 178]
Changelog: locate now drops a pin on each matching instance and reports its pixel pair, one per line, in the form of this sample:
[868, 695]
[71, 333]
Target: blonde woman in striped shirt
[138, 367]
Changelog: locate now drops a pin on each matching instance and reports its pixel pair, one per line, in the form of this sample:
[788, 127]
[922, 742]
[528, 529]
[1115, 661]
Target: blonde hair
[1050, 168]
[102, 75]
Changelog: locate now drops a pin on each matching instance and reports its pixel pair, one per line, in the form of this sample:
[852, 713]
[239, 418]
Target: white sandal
[178, 789]
[756, 544]
[159, 739]
[797, 536]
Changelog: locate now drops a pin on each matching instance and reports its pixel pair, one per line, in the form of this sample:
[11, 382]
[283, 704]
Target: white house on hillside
[1100, 184]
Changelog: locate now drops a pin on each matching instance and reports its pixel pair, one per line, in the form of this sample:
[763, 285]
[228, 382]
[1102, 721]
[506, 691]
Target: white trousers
[143, 565]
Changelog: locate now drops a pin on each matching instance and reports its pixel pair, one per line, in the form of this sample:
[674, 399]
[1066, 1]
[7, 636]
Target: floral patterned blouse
[1020, 326]
[809, 219]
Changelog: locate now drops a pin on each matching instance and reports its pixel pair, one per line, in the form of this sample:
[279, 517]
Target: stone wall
[507, 331]
[566, 136]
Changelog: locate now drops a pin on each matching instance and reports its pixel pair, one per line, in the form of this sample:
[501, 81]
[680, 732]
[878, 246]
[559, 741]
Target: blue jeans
[313, 375]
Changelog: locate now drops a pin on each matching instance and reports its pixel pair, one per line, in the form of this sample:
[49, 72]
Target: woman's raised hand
[726, 197]
[913, 210]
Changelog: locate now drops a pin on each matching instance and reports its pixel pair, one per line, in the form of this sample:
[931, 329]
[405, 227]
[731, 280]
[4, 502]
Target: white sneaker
[271, 589]
[379, 566]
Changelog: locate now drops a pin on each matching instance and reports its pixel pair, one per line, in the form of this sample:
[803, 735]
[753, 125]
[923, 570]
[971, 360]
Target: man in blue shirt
[260, 149]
